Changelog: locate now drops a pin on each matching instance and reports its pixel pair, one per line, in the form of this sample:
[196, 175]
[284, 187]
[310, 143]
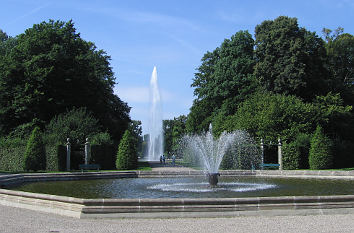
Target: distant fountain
[155, 127]
[210, 151]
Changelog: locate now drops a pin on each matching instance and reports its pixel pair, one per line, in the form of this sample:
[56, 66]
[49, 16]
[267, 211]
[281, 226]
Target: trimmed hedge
[11, 154]
[56, 157]
[291, 156]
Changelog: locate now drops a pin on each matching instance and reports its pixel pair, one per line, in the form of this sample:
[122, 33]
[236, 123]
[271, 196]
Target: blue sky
[172, 35]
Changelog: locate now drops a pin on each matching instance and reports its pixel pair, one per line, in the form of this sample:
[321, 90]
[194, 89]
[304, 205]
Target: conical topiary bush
[127, 152]
[35, 158]
[320, 155]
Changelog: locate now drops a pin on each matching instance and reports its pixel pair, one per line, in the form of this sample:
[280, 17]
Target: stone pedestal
[213, 179]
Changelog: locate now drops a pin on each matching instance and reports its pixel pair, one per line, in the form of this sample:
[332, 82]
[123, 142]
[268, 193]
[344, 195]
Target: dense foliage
[280, 85]
[290, 59]
[50, 69]
[12, 154]
[35, 155]
[127, 157]
[76, 124]
[320, 156]
[173, 132]
[291, 156]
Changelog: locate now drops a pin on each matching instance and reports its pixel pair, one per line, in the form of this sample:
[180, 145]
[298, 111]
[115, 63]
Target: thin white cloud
[32, 12]
[142, 17]
[186, 45]
[241, 17]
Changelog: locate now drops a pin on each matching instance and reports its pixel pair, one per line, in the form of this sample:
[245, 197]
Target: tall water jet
[155, 126]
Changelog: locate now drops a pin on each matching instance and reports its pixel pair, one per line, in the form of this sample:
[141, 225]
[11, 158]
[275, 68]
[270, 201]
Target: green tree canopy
[270, 116]
[52, 69]
[224, 75]
[290, 59]
[340, 53]
[76, 124]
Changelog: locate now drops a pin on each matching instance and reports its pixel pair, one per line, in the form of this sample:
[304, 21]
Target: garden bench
[83, 167]
[270, 165]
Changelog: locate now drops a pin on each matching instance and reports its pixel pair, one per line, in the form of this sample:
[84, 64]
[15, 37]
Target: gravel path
[13, 220]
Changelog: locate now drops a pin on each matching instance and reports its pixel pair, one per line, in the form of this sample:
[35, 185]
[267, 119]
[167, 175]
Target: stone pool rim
[175, 207]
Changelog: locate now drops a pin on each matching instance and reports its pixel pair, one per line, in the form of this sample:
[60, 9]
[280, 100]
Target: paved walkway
[13, 220]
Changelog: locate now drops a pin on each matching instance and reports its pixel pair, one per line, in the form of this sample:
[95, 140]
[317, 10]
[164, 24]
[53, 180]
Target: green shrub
[76, 124]
[12, 154]
[303, 145]
[320, 156]
[291, 156]
[101, 139]
[35, 157]
[56, 157]
[127, 152]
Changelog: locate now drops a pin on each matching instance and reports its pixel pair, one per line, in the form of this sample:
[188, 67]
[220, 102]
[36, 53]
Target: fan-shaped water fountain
[210, 150]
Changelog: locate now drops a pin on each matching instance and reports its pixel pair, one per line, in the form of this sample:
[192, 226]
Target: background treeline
[285, 82]
[53, 79]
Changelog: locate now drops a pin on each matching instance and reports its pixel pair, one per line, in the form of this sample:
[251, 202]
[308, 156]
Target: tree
[226, 71]
[127, 154]
[224, 75]
[200, 116]
[35, 157]
[52, 69]
[178, 131]
[320, 156]
[290, 59]
[3, 36]
[137, 130]
[173, 131]
[340, 62]
[270, 116]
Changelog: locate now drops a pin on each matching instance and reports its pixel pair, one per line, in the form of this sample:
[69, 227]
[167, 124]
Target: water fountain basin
[138, 206]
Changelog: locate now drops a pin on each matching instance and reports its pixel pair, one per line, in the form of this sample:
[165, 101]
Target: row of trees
[55, 84]
[284, 83]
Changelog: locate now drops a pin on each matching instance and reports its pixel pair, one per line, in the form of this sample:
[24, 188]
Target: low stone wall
[148, 208]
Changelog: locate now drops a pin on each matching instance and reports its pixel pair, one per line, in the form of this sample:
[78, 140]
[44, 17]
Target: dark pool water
[191, 187]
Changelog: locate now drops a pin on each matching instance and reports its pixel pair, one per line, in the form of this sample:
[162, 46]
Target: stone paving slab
[15, 220]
